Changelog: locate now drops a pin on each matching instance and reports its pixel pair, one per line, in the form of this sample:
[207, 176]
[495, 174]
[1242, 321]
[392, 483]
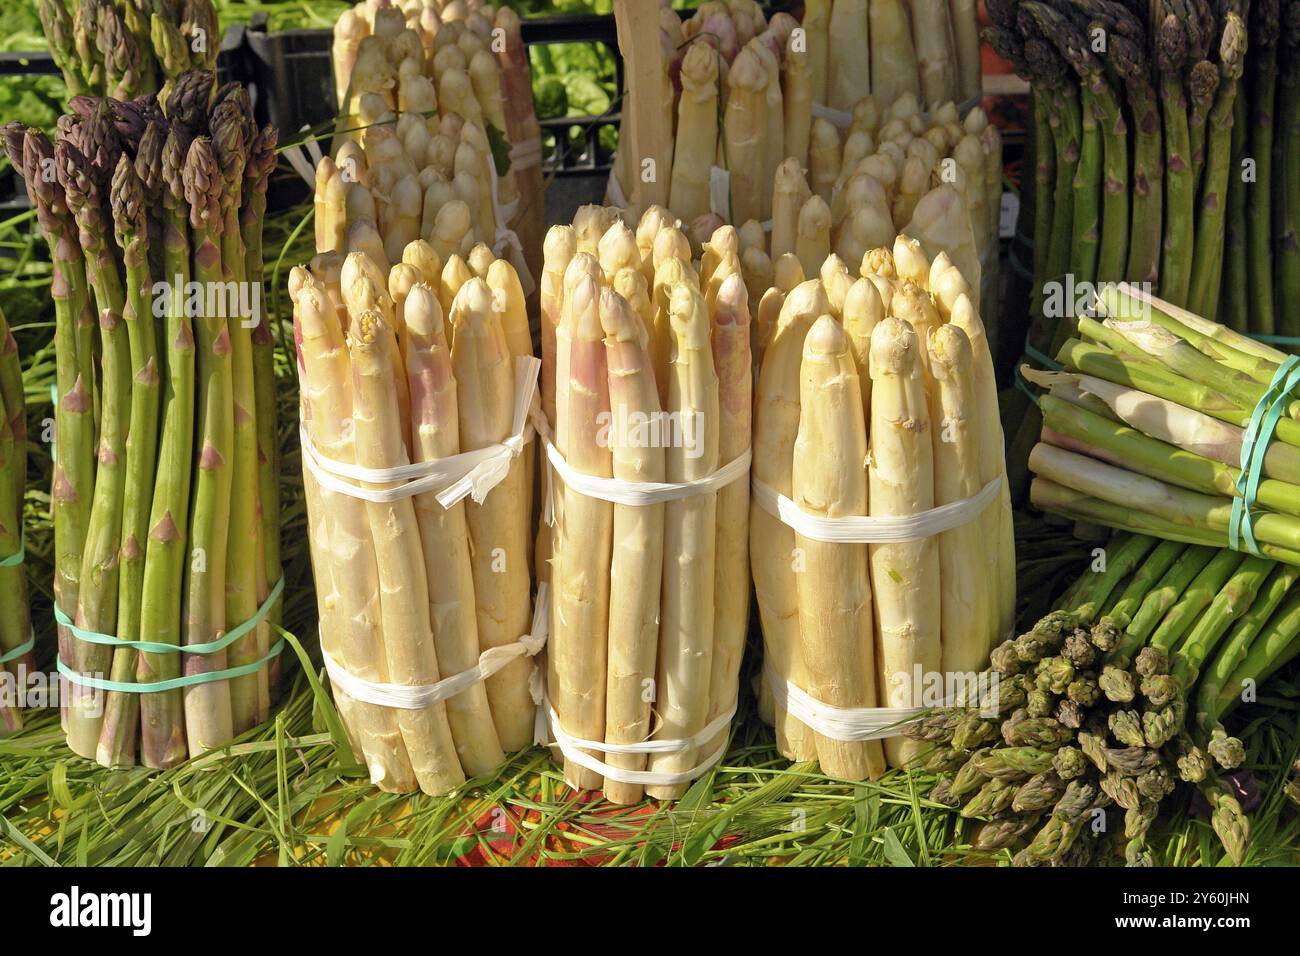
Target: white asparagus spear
[731, 590]
[499, 527]
[690, 537]
[797, 99]
[849, 67]
[636, 566]
[771, 543]
[444, 534]
[966, 596]
[403, 580]
[583, 532]
[893, 56]
[697, 132]
[830, 480]
[904, 576]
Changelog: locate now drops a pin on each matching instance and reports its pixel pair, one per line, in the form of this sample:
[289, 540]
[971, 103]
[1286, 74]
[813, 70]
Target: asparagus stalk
[894, 68]
[636, 566]
[208, 716]
[848, 70]
[1288, 192]
[1175, 265]
[834, 589]
[797, 99]
[901, 474]
[75, 417]
[817, 33]
[772, 543]
[732, 358]
[97, 600]
[343, 556]
[162, 738]
[697, 132]
[686, 634]
[1259, 202]
[404, 593]
[499, 525]
[15, 628]
[444, 533]
[583, 531]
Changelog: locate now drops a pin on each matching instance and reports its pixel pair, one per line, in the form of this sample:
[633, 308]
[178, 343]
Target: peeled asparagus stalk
[904, 576]
[583, 531]
[834, 589]
[444, 533]
[403, 581]
[690, 536]
[343, 556]
[734, 365]
[636, 566]
[772, 548]
[967, 635]
[499, 526]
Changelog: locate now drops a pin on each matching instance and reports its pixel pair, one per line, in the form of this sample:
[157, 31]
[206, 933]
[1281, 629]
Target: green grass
[287, 793]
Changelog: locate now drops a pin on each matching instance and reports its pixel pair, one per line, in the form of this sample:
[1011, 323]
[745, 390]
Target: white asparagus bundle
[652, 384]
[896, 415]
[410, 591]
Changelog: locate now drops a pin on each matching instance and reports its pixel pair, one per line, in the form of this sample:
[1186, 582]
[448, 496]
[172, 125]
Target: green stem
[1233, 296]
[1144, 579]
[1211, 226]
[1176, 258]
[1259, 194]
[1195, 600]
[1097, 586]
[1232, 652]
[1166, 593]
[1234, 600]
[1087, 193]
[1044, 175]
[1277, 643]
[208, 720]
[97, 602]
[1115, 187]
[1288, 212]
[1148, 187]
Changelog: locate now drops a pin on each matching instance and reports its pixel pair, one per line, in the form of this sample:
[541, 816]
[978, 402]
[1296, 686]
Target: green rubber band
[19, 651]
[16, 559]
[1254, 446]
[176, 683]
[153, 647]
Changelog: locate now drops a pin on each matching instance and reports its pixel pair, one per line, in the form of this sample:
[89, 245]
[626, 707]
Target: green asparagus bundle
[15, 626]
[1114, 698]
[129, 48]
[159, 492]
[1156, 424]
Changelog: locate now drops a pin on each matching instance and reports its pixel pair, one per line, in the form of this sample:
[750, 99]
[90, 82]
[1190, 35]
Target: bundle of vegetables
[935, 177]
[646, 381]
[15, 623]
[728, 89]
[875, 398]
[1115, 697]
[166, 488]
[411, 388]
[1160, 423]
[439, 97]
[1140, 143]
[129, 48]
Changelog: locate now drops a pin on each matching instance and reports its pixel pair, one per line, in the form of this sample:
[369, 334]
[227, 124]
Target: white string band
[420, 696]
[526, 154]
[642, 493]
[883, 529]
[849, 724]
[574, 749]
[471, 473]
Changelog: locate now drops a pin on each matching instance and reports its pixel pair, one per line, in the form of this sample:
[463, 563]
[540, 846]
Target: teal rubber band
[176, 683]
[16, 559]
[1277, 339]
[19, 651]
[1254, 446]
[1024, 386]
[153, 647]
